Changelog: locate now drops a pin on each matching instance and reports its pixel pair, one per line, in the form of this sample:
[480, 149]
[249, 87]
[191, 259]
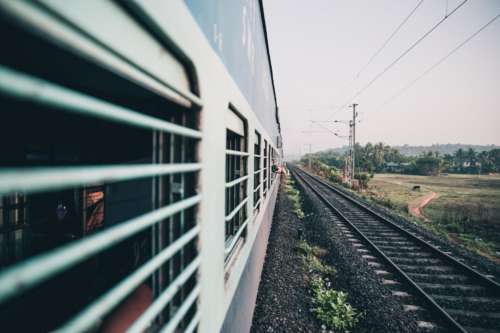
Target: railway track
[445, 293]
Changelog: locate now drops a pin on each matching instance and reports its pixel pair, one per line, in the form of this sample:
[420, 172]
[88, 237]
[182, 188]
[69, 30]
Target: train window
[273, 173]
[98, 194]
[264, 169]
[93, 208]
[269, 163]
[236, 182]
[13, 231]
[257, 173]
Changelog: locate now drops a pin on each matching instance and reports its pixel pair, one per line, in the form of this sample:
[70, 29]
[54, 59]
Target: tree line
[379, 157]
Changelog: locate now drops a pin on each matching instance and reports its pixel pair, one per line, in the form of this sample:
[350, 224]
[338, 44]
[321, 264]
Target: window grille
[236, 186]
[257, 173]
[273, 163]
[98, 195]
[269, 164]
[12, 228]
[264, 176]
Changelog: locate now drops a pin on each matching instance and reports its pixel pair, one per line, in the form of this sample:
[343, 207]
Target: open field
[466, 208]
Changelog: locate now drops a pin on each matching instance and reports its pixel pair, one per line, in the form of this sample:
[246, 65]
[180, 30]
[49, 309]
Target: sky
[318, 48]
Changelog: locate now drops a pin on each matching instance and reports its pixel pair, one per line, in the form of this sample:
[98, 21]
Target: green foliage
[466, 210]
[310, 254]
[294, 196]
[337, 178]
[363, 179]
[380, 157]
[469, 224]
[332, 308]
[428, 165]
[324, 170]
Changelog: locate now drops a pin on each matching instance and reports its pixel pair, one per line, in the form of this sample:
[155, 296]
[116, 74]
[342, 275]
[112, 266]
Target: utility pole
[310, 152]
[349, 157]
[310, 131]
[354, 115]
[310, 138]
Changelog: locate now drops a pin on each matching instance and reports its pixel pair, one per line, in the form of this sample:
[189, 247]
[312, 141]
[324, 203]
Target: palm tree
[471, 158]
[460, 158]
[485, 164]
[449, 162]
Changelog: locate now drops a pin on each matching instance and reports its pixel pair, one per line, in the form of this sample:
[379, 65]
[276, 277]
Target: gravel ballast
[284, 301]
[382, 313]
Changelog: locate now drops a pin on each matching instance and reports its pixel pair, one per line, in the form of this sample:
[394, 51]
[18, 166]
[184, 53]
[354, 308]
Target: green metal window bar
[109, 300]
[46, 179]
[21, 277]
[40, 16]
[236, 189]
[25, 87]
[18, 279]
[31, 272]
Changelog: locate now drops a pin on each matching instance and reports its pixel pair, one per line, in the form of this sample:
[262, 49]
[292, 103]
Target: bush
[294, 196]
[363, 179]
[332, 308]
[310, 254]
[335, 178]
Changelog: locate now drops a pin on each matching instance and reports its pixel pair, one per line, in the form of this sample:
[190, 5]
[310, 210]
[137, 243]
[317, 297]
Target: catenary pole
[354, 115]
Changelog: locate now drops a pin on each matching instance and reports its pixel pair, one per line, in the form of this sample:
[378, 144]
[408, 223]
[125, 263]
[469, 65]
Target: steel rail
[443, 314]
[481, 278]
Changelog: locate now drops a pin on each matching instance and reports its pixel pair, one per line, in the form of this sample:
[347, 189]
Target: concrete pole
[354, 115]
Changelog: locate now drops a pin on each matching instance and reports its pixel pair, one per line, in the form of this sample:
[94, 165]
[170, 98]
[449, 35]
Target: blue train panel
[235, 30]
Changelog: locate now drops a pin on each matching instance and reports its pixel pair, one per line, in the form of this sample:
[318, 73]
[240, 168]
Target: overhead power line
[395, 61]
[439, 62]
[390, 37]
[326, 128]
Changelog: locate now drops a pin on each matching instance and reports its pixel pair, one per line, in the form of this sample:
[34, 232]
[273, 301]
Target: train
[140, 150]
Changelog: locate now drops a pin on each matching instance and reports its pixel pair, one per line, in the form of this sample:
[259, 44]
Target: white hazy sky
[318, 46]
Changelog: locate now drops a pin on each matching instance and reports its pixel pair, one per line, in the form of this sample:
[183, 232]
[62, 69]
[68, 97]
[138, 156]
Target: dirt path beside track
[415, 207]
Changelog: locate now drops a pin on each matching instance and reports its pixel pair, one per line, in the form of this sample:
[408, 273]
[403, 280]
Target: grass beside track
[466, 211]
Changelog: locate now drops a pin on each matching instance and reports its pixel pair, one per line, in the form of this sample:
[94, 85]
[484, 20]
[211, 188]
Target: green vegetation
[294, 196]
[310, 256]
[442, 149]
[466, 211]
[324, 170]
[363, 179]
[383, 158]
[331, 307]
[466, 182]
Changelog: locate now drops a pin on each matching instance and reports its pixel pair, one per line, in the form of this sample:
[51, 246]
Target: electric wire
[379, 49]
[389, 39]
[439, 62]
[329, 130]
[368, 85]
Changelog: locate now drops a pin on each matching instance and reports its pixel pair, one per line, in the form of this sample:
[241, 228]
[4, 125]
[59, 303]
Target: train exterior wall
[236, 76]
[240, 313]
[235, 30]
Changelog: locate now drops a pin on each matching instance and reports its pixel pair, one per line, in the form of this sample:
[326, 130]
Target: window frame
[237, 175]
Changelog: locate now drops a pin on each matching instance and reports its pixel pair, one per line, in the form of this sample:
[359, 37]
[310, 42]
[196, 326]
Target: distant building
[395, 167]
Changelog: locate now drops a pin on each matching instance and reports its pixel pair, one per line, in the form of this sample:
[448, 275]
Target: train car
[139, 147]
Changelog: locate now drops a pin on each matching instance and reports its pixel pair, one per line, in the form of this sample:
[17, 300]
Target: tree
[448, 162]
[460, 158]
[485, 163]
[471, 159]
[428, 165]
[363, 179]
[494, 157]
